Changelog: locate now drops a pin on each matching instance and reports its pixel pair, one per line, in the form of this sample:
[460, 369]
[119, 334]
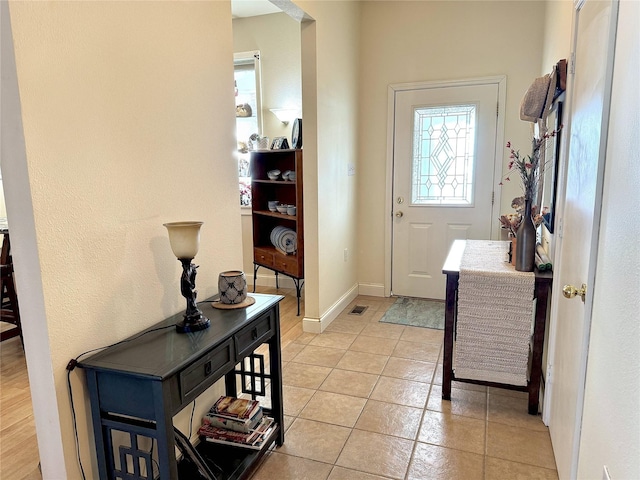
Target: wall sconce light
[184, 238]
[285, 115]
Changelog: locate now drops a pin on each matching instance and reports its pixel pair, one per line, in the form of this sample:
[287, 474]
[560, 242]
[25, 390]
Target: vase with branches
[522, 225]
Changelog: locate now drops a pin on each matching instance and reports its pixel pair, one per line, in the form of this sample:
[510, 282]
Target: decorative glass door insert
[443, 155]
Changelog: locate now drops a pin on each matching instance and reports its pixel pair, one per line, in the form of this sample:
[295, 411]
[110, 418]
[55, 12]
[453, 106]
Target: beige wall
[557, 33]
[128, 121]
[277, 37]
[330, 50]
[556, 46]
[3, 207]
[428, 41]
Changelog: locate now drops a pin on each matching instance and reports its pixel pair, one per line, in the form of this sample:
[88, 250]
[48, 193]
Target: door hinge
[493, 198]
[572, 63]
[498, 109]
[560, 227]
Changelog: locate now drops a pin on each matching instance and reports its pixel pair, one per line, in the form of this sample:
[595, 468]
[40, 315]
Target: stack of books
[236, 421]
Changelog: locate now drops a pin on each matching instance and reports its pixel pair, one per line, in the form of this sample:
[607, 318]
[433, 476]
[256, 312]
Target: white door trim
[501, 81]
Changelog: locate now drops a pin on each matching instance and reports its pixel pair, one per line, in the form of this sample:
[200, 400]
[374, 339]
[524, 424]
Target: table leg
[277, 397]
[101, 439]
[542, 296]
[449, 321]
[255, 276]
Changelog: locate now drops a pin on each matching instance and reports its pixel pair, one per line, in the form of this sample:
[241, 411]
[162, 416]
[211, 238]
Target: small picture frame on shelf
[296, 133]
[280, 143]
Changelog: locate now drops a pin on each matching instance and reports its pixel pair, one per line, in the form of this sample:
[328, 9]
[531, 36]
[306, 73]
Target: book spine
[234, 444]
[210, 431]
[230, 424]
[225, 405]
[254, 441]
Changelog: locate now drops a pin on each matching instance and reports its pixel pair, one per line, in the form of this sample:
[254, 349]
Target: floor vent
[358, 310]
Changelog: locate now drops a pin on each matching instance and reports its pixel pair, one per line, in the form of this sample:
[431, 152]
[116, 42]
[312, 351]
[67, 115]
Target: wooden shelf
[264, 190]
[278, 182]
[226, 461]
[269, 213]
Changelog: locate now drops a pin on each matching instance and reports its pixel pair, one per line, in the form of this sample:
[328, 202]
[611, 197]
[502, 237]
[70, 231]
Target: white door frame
[501, 81]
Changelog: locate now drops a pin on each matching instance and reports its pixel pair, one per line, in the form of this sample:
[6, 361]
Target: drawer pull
[254, 334]
[207, 369]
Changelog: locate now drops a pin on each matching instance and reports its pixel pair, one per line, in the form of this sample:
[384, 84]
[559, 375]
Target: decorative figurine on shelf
[185, 242]
[187, 287]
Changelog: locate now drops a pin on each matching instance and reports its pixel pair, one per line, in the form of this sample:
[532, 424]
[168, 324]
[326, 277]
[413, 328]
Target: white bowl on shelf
[273, 174]
[282, 208]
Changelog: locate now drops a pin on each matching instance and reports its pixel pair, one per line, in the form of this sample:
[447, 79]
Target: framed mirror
[552, 157]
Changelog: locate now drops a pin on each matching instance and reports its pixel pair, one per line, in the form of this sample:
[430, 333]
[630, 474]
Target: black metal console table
[136, 388]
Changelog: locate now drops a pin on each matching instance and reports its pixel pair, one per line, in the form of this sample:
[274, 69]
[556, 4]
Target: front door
[575, 261]
[444, 159]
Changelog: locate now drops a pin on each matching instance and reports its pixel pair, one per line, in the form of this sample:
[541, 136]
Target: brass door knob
[569, 291]
[399, 214]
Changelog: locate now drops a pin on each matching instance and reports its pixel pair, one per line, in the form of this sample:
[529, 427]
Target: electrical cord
[193, 409]
[73, 363]
[75, 428]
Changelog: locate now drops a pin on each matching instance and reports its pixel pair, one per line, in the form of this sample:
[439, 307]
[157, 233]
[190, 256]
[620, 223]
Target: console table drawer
[253, 335]
[198, 377]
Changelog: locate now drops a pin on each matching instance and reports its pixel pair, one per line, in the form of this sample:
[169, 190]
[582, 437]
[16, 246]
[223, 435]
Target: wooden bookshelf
[289, 192]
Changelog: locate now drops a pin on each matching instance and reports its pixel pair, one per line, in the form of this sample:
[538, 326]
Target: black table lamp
[185, 241]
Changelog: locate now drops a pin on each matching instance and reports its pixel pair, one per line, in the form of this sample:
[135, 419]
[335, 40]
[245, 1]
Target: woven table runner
[495, 316]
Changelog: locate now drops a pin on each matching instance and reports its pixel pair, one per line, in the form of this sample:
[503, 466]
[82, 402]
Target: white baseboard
[371, 289]
[318, 325]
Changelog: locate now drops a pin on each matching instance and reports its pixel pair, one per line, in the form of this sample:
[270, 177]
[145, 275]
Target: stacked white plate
[284, 239]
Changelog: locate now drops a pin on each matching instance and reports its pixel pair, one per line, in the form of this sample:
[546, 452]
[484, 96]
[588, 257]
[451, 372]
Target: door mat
[417, 312]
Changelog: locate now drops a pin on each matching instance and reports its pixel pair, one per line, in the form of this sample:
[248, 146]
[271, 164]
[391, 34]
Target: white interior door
[594, 25]
[444, 156]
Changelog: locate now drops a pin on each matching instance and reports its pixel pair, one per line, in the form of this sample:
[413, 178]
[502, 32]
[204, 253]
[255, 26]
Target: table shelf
[226, 461]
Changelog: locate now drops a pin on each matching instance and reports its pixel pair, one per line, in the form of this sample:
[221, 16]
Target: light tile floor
[363, 401]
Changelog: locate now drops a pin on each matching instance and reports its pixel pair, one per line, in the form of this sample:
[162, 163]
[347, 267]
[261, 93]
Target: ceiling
[252, 8]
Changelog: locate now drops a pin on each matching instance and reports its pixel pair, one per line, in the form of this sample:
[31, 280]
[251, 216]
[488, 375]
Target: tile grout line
[486, 434]
[424, 412]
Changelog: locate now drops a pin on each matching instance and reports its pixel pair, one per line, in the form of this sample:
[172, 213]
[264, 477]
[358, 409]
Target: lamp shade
[285, 115]
[184, 238]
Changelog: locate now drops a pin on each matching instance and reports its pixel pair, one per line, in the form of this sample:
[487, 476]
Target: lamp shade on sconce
[285, 115]
[184, 238]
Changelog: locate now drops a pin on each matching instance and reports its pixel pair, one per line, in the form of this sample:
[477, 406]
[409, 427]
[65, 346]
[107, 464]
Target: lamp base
[188, 325]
